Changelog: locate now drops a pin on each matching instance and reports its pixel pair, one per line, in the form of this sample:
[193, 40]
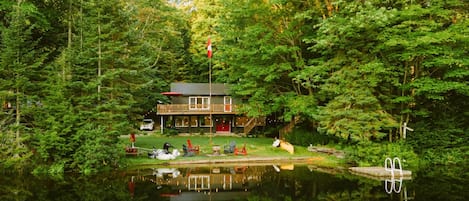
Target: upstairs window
[199, 103]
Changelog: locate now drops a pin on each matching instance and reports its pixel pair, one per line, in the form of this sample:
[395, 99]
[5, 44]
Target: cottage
[203, 108]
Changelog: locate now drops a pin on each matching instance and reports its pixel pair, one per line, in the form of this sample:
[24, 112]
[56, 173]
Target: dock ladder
[390, 165]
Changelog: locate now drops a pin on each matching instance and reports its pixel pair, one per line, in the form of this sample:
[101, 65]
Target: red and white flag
[209, 48]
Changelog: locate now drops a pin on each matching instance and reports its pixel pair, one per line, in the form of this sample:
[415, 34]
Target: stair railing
[250, 125]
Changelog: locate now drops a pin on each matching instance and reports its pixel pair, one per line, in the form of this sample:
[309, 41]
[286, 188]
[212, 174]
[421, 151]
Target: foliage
[21, 59]
[447, 157]
[171, 132]
[374, 154]
[261, 52]
[98, 149]
[303, 136]
[65, 64]
[440, 147]
[74, 75]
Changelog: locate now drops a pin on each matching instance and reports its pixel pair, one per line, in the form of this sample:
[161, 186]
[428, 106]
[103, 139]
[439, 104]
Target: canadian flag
[209, 48]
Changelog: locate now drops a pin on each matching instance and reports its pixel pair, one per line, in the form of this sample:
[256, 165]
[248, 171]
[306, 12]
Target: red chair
[243, 150]
[131, 151]
[192, 148]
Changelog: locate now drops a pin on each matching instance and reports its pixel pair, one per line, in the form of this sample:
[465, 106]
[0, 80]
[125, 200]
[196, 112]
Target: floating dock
[380, 173]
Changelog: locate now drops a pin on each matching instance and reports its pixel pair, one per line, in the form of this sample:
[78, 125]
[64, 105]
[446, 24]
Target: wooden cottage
[203, 108]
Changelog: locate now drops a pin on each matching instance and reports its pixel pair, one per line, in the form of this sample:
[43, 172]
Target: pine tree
[20, 67]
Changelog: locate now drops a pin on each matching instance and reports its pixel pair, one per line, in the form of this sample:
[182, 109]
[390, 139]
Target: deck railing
[196, 109]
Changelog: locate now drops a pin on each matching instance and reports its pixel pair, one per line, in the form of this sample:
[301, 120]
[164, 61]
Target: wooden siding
[183, 109]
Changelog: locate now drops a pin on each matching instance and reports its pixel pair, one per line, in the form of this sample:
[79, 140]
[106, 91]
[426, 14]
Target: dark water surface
[253, 183]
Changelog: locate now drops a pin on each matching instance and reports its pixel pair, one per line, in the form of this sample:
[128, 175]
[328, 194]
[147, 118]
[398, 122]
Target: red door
[223, 126]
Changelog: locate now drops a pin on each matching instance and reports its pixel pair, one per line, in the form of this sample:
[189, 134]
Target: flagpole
[209, 54]
[210, 94]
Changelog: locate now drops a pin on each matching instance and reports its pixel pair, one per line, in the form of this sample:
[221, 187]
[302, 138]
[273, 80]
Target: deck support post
[161, 124]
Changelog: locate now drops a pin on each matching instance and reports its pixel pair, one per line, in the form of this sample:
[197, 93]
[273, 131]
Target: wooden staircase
[252, 123]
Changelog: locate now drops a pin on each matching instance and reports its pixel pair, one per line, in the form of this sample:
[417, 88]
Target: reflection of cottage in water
[205, 181]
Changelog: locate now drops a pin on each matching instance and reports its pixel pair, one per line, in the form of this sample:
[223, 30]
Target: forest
[77, 74]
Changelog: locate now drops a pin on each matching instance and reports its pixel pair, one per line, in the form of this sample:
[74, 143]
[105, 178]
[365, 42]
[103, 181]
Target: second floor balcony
[196, 109]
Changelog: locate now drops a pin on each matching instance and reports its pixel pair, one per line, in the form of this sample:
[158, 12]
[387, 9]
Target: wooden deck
[380, 173]
[186, 109]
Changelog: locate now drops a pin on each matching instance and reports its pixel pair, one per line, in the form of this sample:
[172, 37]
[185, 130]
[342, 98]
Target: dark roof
[200, 88]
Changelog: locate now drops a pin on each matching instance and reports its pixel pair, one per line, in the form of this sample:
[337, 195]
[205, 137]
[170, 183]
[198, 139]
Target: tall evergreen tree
[21, 63]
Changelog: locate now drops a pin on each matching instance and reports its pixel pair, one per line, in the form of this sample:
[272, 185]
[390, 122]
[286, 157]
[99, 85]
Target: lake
[242, 182]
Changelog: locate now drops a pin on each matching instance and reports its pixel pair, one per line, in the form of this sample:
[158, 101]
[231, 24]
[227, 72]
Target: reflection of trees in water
[303, 184]
[289, 185]
[442, 183]
[263, 183]
[12, 188]
[28, 187]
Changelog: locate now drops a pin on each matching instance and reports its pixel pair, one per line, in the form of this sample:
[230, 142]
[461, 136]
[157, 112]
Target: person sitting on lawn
[166, 147]
[276, 142]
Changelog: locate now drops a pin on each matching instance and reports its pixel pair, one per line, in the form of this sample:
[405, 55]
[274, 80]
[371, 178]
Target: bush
[441, 145]
[305, 137]
[171, 131]
[453, 156]
[374, 154]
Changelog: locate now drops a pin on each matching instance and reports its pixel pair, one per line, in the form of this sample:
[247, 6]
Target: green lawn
[256, 147]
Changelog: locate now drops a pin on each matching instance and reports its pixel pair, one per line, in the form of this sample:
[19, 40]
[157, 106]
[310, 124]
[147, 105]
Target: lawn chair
[186, 151]
[243, 150]
[131, 151]
[190, 148]
[229, 149]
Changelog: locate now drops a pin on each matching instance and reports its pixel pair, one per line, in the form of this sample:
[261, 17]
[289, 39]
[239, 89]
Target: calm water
[253, 183]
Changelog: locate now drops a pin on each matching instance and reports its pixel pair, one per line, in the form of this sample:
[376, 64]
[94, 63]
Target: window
[205, 121]
[197, 182]
[194, 122]
[227, 101]
[199, 103]
[182, 121]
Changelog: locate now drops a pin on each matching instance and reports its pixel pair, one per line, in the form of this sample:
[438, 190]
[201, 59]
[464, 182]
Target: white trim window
[181, 121]
[205, 121]
[199, 103]
[227, 103]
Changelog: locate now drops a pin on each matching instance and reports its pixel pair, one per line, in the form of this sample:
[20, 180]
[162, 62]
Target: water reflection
[275, 182]
[202, 183]
[241, 182]
[393, 185]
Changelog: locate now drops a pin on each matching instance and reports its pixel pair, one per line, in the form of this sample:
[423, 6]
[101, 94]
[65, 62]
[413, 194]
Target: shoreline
[319, 161]
[277, 159]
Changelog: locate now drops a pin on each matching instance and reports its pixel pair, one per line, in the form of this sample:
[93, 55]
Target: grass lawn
[256, 147]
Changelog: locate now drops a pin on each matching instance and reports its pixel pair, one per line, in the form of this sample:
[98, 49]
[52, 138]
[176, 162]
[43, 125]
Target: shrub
[171, 132]
[374, 154]
[305, 137]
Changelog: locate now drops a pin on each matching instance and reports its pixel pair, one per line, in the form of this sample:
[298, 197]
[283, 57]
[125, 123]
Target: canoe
[287, 146]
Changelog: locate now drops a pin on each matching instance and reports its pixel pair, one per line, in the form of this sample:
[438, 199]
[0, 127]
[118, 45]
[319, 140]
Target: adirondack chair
[229, 149]
[192, 148]
[243, 150]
